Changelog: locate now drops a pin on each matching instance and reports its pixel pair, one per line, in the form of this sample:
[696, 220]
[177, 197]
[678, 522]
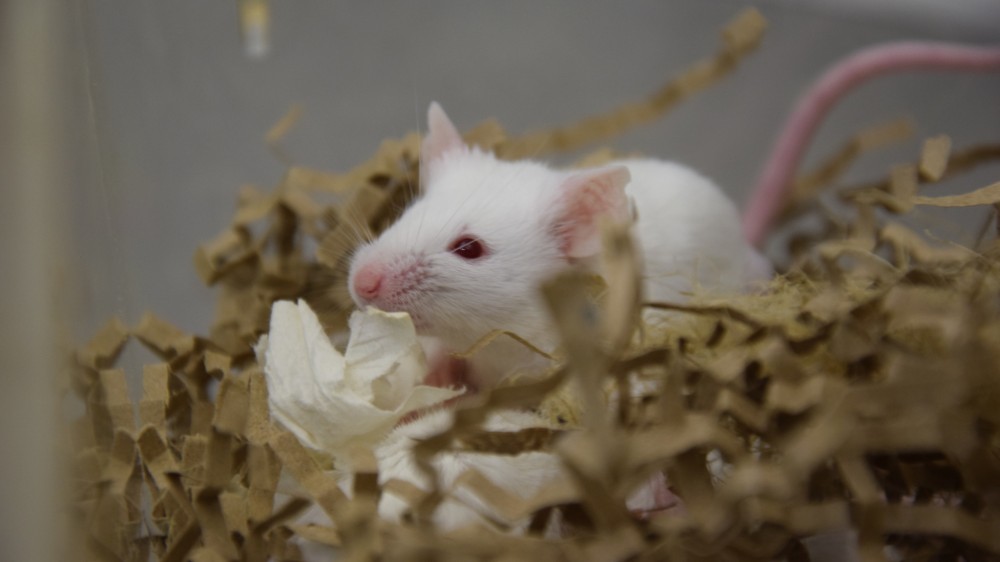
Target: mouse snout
[368, 281]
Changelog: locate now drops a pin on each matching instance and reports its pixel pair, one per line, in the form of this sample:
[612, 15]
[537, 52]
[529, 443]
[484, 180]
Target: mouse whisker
[359, 228]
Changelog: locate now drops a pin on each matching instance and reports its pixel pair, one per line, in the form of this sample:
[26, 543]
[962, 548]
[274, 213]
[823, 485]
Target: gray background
[171, 114]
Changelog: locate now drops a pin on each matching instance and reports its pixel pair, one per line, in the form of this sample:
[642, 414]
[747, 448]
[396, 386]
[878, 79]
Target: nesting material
[335, 402]
[860, 391]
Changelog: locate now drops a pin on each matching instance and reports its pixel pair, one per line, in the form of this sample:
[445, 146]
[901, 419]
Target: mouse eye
[467, 247]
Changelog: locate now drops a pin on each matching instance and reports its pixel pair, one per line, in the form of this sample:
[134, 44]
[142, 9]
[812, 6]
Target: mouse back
[468, 257]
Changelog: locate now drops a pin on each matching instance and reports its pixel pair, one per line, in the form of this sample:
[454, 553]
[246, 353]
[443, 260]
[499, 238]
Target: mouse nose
[368, 281]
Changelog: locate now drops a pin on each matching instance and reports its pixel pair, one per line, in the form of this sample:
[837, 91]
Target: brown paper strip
[509, 505]
[723, 310]
[599, 157]
[121, 463]
[808, 185]
[103, 350]
[859, 479]
[741, 37]
[501, 501]
[217, 364]
[222, 255]
[489, 338]
[905, 243]
[234, 512]
[289, 510]
[304, 469]
[934, 157]
[263, 471]
[579, 323]
[231, 405]
[652, 447]
[155, 394]
[742, 409]
[989, 195]
[805, 519]
[309, 179]
[622, 270]
[959, 162]
[486, 135]
[508, 442]
[316, 533]
[606, 508]
[755, 479]
[258, 423]
[218, 462]
[156, 456]
[116, 399]
[284, 125]
[185, 540]
[937, 520]
[253, 207]
[213, 525]
[202, 413]
[164, 338]
[301, 204]
[206, 555]
[811, 445]
[903, 185]
[193, 455]
[405, 490]
[689, 476]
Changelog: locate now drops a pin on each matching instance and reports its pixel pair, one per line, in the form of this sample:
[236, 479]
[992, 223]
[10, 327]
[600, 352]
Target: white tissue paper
[334, 402]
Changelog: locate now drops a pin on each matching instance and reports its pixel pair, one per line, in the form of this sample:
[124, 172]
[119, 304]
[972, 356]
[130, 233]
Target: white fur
[688, 230]
[505, 204]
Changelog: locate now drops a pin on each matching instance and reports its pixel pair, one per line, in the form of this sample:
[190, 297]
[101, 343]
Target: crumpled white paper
[335, 402]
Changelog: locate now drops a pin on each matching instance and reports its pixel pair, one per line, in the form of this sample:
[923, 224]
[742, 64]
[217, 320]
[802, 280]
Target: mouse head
[468, 256]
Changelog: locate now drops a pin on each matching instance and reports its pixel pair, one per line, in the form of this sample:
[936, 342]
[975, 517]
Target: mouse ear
[585, 198]
[442, 136]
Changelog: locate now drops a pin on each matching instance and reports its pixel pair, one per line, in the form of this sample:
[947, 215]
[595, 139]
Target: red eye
[468, 248]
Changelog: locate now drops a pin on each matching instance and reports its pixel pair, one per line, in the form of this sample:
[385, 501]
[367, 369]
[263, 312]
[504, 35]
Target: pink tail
[774, 182]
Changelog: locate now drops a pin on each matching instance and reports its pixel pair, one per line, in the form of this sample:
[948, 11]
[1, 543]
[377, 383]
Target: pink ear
[441, 137]
[586, 198]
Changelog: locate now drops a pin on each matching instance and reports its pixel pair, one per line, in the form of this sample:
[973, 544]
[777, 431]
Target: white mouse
[469, 255]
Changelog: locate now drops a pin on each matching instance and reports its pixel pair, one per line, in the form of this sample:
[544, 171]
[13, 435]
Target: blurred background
[129, 125]
[172, 111]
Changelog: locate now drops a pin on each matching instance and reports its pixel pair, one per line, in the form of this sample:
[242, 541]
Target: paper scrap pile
[860, 393]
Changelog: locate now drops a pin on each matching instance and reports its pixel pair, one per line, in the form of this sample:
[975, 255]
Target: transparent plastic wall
[130, 125]
[178, 108]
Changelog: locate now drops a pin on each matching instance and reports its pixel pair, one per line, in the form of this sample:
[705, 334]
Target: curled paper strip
[333, 401]
[473, 480]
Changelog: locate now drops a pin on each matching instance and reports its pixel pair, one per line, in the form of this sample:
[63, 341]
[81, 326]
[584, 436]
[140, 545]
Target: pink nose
[368, 281]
